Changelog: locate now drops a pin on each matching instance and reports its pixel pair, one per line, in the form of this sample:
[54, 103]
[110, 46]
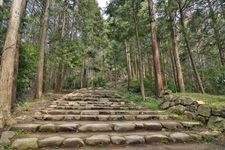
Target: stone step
[92, 99]
[60, 102]
[38, 141]
[100, 112]
[97, 107]
[104, 127]
[103, 117]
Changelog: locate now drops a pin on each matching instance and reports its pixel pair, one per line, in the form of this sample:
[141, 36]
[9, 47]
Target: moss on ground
[128, 96]
[212, 100]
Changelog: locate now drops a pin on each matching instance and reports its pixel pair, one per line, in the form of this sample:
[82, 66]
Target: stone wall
[213, 117]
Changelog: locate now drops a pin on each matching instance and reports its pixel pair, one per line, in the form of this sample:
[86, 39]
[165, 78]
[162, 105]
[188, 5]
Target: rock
[95, 127]
[135, 139]
[189, 124]
[25, 144]
[192, 108]
[156, 138]
[139, 125]
[129, 117]
[190, 115]
[55, 141]
[216, 123]
[165, 105]
[26, 127]
[73, 142]
[154, 126]
[50, 127]
[171, 125]
[167, 92]
[124, 127]
[187, 101]
[118, 140]
[38, 115]
[66, 127]
[216, 111]
[204, 120]
[98, 140]
[178, 109]
[103, 117]
[223, 113]
[89, 112]
[6, 136]
[204, 110]
[180, 137]
[53, 117]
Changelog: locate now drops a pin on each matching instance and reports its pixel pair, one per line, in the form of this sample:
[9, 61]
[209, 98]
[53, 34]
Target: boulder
[89, 112]
[118, 140]
[55, 141]
[216, 111]
[204, 120]
[66, 127]
[171, 125]
[216, 123]
[187, 101]
[204, 110]
[154, 126]
[98, 140]
[6, 136]
[95, 127]
[50, 127]
[73, 142]
[190, 124]
[180, 137]
[192, 108]
[165, 105]
[124, 126]
[156, 138]
[190, 115]
[25, 144]
[135, 139]
[178, 109]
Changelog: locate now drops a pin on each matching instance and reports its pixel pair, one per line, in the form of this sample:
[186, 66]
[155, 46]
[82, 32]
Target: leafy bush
[72, 83]
[99, 82]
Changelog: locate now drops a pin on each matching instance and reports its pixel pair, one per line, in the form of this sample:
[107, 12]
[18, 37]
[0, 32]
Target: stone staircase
[101, 118]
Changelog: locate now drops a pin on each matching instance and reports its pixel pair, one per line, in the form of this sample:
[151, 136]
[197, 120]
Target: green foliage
[22, 132]
[99, 82]
[27, 68]
[214, 100]
[215, 80]
[72, 83]
[134, 97]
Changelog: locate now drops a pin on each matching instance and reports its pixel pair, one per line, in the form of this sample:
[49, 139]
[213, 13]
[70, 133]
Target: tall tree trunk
[173, 69]
[82, 76]
[8, 64]
[60, 79]
[139, 59]
[40, 75]
[186, 39]
[16, 63]
[1, 3]
[216, 33]
[155, 50]
[129, 75]
[176, 56]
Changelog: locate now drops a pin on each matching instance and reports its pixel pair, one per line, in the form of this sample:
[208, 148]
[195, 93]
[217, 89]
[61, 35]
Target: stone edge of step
[99, 140]
[116, 127]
